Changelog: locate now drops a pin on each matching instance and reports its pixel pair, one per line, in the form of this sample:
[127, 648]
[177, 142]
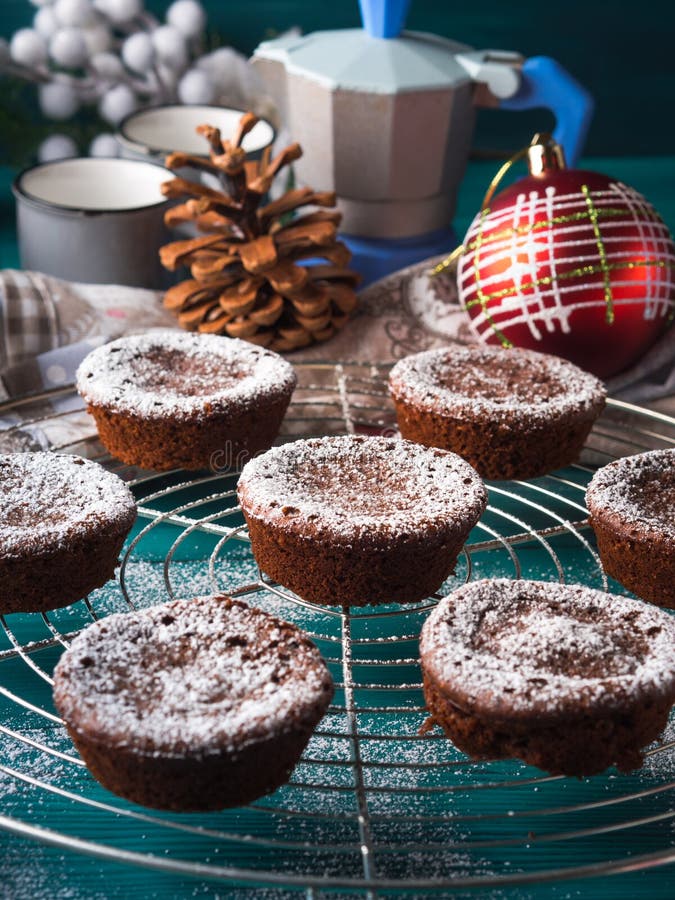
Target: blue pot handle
[545, 83]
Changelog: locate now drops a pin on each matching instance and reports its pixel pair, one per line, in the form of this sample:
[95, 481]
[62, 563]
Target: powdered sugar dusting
[168, 372]
[494, 381]
[50, 499]
[637, 492]
[352, 485]
[190, 677]
[546, 650]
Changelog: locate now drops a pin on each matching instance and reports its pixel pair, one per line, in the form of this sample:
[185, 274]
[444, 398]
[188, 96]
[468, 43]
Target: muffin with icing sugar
[170, 399]
[564, 677]
[192, 705]
[354, 520]
[632, 511]
[63, 521]
[510, 413]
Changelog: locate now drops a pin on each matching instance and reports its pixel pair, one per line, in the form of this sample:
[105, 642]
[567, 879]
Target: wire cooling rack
[373, 808]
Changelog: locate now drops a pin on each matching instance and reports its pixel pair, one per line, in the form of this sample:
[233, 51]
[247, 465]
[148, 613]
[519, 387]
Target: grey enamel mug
[94, 220]
[156, 131]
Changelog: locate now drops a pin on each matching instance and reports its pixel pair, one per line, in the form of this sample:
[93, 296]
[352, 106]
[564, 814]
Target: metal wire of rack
[373, 807]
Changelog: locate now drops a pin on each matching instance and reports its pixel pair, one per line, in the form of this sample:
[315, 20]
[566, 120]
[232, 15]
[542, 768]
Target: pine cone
[248, 280]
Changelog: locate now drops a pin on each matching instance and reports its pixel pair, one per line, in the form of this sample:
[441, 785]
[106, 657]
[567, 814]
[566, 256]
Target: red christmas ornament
[569, 262]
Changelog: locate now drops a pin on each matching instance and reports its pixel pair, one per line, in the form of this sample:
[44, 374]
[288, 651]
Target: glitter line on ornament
[466, 276]
[497, 252]
[515, 302]
[491, 289]
[581, 216]
[580, 272]
[606, 276]
[499, 249]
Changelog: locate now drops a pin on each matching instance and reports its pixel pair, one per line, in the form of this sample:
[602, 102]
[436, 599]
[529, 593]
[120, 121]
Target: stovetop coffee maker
[386, 117]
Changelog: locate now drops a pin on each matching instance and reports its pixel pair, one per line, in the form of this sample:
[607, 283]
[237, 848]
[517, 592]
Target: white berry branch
[115, 55]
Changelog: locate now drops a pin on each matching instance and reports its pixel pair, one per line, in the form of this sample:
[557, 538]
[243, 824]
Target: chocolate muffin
[632, 510]
[564, 677]
[193, 705]
[356, 520]
[63, 521]
[169, 399]
[510, 413]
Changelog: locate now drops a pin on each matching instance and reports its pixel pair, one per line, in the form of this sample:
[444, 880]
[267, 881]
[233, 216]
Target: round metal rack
[373, 808]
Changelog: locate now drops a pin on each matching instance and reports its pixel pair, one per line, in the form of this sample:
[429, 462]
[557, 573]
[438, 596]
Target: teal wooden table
[484, 820]
[32, 870]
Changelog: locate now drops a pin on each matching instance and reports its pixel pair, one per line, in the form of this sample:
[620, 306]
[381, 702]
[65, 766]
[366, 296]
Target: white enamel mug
[94, 220]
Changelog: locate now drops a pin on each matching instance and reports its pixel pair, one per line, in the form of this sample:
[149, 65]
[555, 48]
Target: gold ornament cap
[545, 155]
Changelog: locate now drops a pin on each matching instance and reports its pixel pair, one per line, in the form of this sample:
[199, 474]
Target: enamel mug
[94, 220]
[154, 132]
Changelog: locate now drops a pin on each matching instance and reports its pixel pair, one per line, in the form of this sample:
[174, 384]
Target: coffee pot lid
[352, 59]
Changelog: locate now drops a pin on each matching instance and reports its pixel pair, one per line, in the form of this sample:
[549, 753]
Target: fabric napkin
[47, 326]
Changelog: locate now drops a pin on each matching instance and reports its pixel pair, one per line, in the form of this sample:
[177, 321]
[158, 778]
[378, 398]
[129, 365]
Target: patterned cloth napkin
[47, 327]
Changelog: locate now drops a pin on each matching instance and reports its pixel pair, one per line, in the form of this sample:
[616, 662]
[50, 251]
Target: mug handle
[545, 83]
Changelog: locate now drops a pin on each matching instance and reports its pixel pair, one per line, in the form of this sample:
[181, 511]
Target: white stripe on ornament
[505, 219]
[627, 199]
[575, 203]
[517, 268]
[623, 255]
[488, 238]
[563, 317]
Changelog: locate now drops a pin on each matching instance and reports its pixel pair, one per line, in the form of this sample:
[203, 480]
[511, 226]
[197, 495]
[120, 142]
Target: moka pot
[386, 117]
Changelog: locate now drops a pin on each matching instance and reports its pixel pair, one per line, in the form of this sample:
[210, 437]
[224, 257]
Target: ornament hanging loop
[500, 174]
[543, 155]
